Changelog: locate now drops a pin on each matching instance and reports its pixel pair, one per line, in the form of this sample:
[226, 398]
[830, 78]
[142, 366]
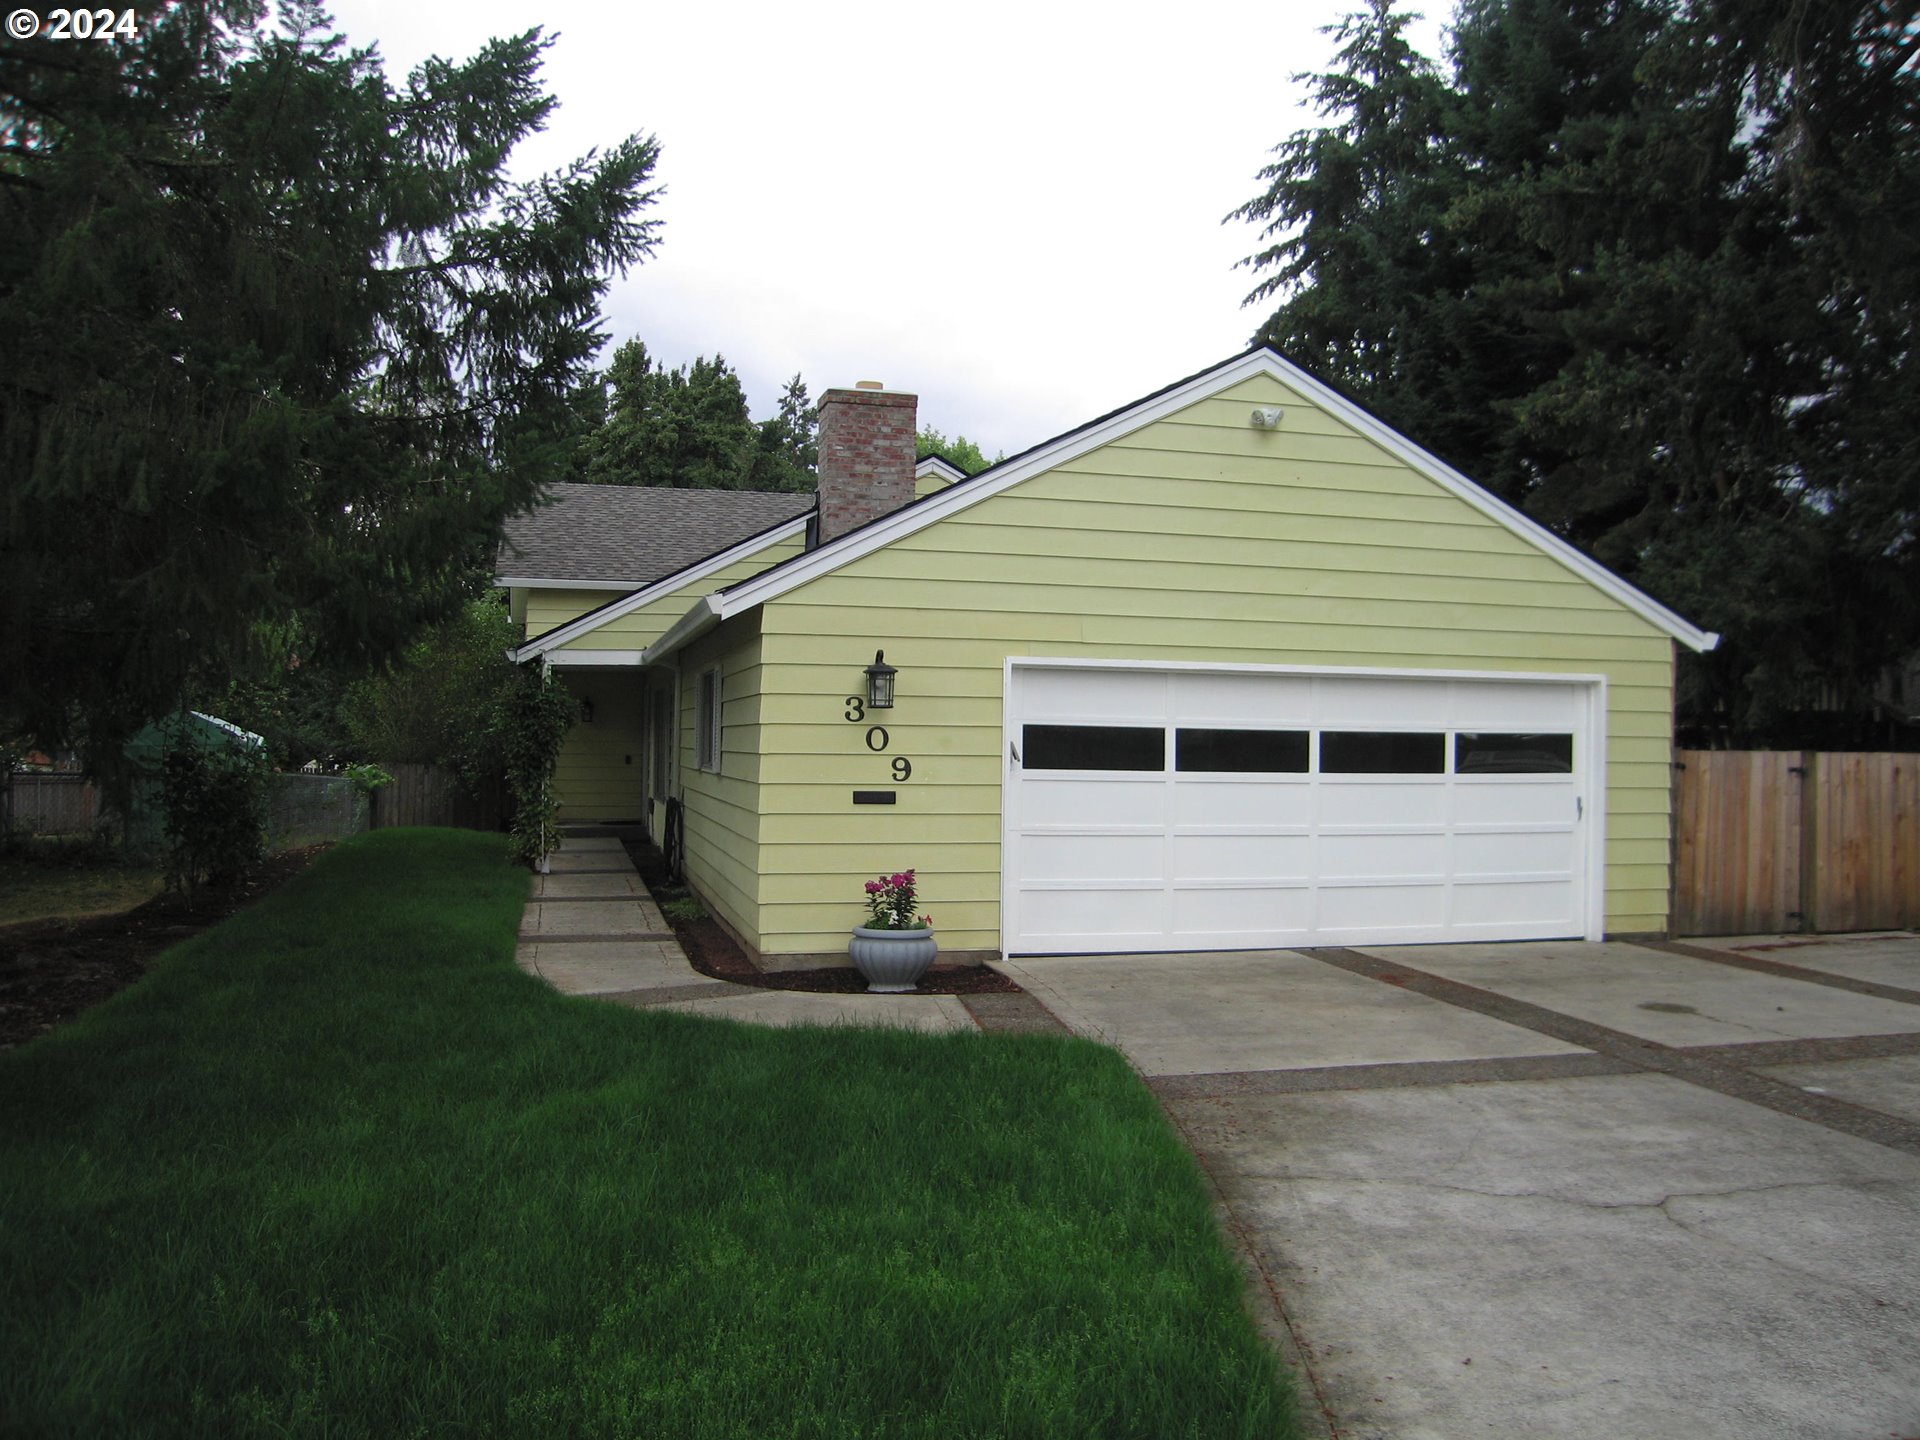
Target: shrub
[215, 801]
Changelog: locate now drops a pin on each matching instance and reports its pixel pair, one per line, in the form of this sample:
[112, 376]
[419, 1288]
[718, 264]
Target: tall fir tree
[689, 428]
[1642, 276]
[280, 340]
[789, 453]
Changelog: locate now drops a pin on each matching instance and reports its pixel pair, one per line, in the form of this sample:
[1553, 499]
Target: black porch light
[880, 682]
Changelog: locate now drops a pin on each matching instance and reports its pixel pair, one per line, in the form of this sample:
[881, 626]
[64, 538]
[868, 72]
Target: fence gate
[1782, 840]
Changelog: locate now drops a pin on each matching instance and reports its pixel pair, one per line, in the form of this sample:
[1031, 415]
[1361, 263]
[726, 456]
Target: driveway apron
[1557, 1189]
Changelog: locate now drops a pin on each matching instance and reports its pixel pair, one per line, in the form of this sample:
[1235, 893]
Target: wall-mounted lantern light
[880, 682]
[586, 710]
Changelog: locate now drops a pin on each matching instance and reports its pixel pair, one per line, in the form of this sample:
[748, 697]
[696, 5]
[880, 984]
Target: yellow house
[1236, 666]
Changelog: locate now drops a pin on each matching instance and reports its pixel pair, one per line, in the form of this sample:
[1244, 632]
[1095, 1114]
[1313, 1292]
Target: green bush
[214, 798]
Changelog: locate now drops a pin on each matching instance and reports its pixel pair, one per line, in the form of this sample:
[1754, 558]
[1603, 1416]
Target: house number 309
[877, 737]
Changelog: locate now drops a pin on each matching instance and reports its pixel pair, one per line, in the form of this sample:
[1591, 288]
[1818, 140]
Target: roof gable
[793, 573]
[622, 536]
[646, 595]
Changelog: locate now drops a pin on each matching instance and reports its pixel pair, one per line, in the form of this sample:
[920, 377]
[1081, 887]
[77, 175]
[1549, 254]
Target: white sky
[1012, 210]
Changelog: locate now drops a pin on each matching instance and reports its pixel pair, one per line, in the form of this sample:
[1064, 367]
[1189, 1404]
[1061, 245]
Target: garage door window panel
[1382, 752]
[1241, 752]
[1511, 754]
[1093, 747]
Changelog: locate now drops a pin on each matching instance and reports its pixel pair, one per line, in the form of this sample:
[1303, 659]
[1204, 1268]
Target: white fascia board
[516, 582]
[935, 465]
[832, 556]
[571, 659]
[691, 626]
[593, 620]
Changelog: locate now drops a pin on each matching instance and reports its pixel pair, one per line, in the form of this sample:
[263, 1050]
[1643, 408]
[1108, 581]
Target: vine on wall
[538, 715]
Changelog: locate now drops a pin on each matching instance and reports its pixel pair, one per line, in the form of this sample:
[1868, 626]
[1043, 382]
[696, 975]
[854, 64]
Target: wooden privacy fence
[432, 795]
[1780, 840]
[58, 804]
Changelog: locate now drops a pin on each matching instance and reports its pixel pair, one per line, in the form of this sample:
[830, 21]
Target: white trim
[594, 619]
[515, 582]
[940, 467]
[569, 658]
[702, 617]
[1009, 921]
[940, 505]
[1228, 667]
[708, 732]
[1596, 816]
[1594, 819]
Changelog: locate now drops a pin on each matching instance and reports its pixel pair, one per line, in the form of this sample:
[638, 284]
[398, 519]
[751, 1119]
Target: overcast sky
[1011, 209]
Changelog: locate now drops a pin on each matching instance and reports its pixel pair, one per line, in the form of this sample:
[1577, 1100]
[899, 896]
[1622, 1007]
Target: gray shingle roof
[632, 534]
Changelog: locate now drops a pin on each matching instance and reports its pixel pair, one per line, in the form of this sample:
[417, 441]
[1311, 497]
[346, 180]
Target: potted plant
[895, 947]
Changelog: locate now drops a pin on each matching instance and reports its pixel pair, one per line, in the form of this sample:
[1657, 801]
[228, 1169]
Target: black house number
[877, 737]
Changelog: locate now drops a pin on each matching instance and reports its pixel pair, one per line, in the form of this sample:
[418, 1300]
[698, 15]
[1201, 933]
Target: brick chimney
[867, 439]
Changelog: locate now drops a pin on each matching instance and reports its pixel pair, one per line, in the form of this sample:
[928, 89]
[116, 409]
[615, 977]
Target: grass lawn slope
[337, 1167]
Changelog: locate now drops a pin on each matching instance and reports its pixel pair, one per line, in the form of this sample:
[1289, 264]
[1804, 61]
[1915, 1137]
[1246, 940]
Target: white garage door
[1177, 809]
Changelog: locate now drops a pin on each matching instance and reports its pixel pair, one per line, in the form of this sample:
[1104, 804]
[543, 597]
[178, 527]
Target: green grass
[41, 885]
[337, 1168]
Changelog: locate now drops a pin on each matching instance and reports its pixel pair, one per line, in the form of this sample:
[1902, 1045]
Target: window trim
[707, 701]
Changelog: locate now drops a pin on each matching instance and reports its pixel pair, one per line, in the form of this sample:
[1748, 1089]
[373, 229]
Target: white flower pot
[892, 960]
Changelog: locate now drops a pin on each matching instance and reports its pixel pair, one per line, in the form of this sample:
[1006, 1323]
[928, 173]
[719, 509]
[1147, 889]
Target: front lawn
[337, 1167]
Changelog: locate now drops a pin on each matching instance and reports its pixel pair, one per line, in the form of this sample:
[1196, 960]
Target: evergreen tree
[789, 454]
[1645, 268]
[1348, 216]
[689, 429]
[279, 340]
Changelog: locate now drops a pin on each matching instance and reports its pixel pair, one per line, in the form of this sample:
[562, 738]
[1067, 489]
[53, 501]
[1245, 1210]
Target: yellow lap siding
[600, 776]
[1195, 539]
[720, 810]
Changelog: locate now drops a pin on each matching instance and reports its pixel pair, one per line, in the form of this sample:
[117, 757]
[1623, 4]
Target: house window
[662, 739]
[706, 720]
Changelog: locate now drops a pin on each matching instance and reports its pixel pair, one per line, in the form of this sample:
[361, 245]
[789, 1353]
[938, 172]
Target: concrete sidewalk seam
[640, 999]
[535, 937]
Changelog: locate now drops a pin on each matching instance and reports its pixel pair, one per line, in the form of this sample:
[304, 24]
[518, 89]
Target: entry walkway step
[591, 929]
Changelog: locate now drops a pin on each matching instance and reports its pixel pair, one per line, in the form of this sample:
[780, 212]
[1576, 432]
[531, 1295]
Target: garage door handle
[1014, 751]
[1579, 807]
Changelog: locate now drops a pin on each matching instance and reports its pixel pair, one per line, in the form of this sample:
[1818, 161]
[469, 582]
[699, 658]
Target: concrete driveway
[1558, 1189]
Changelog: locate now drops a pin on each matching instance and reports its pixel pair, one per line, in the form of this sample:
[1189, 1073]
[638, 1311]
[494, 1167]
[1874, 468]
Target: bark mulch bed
[51, 970]
[714, 952]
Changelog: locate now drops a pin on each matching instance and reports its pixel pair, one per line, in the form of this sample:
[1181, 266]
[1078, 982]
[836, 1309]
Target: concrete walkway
[1557, 1189]
[592, 929]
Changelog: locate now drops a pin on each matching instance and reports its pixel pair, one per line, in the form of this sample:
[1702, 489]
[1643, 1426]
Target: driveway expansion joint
[1390, 1075]
[1760, 965]
[1717, 1074]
